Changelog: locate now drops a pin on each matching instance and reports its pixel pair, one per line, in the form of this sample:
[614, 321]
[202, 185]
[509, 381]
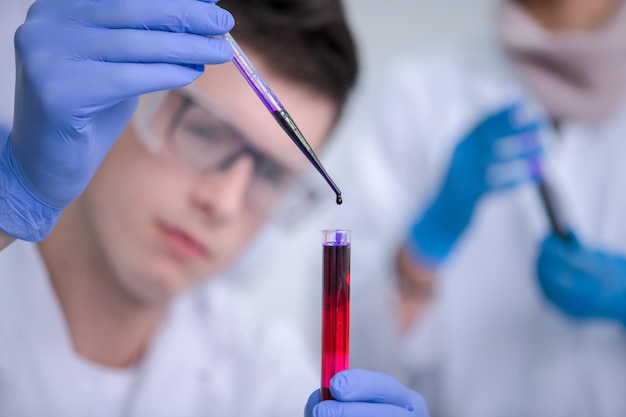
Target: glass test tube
[336, 306]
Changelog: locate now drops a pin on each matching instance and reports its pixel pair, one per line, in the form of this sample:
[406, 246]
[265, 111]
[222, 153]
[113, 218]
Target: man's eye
[273, 173]
[204, 132]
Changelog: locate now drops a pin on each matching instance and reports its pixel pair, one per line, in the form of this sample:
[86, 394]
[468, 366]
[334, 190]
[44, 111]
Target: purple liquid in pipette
[270, 101]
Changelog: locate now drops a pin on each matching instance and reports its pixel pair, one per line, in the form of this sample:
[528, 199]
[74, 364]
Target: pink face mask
[578, 76]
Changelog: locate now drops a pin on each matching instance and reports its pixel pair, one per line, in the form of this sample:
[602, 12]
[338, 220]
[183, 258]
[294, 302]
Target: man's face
[167, 217]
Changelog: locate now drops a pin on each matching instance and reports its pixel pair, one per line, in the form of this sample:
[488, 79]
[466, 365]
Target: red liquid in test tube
[335, 307]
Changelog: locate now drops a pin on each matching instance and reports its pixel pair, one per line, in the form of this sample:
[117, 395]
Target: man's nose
[223, 195]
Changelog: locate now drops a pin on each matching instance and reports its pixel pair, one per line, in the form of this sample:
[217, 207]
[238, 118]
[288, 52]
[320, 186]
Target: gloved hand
[500, 153]
[4, 132]
[581, 282]
[80, 67]
[361, 393]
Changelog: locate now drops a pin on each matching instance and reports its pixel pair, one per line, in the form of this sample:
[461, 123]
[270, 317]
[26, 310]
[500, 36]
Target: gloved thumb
[357, 385]
[314, 399]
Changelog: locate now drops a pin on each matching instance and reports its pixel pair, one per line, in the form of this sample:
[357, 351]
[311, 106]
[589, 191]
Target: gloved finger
[522, 113]
[518, 146]
[191, 16]
[560, 264]
[366, 409]
[570, 239]
[552, 272]
[557, 295]
[360, 385]
[137, 79]
[116, 83]
[549, 265]
[313, 400]
[526, 155]
[572, 261]
[507, 175]
[554, 245]
[142, 46]
[573, 293]
[507, 122]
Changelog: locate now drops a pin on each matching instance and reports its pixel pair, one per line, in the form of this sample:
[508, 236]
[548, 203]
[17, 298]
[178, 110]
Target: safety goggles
[201, 137]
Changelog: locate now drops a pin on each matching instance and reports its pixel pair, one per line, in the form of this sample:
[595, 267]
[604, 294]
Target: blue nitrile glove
[4, 132]
[500, 153]
[581, 282]
[80, 67]
[361, 393]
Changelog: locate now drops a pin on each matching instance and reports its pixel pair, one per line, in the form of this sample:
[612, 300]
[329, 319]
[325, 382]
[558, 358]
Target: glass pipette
[277, 110]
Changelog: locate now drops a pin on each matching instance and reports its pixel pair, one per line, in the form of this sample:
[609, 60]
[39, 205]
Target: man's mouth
[184, 243]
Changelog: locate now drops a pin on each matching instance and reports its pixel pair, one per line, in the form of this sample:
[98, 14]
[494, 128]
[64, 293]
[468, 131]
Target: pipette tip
[339, 199]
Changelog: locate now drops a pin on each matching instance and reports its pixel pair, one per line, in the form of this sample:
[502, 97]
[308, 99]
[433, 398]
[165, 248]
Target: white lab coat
[490, 346]
[211, 357]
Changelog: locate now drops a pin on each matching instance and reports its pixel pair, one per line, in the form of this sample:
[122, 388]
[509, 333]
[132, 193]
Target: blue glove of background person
[580, 282]
[500, 153]
[361, 393]
[80, 67]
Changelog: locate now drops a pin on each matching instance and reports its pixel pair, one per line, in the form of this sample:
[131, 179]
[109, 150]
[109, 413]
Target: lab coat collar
[179, 365]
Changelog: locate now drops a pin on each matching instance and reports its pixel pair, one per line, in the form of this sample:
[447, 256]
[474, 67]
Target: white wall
[386, 30]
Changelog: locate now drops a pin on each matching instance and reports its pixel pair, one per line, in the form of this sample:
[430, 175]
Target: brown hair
[306, 41]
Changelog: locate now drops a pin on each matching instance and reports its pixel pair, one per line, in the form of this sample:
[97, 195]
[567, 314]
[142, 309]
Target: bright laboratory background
[281, 272]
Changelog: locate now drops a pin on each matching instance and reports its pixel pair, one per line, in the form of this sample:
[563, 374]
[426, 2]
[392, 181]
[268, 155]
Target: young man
[109, 314]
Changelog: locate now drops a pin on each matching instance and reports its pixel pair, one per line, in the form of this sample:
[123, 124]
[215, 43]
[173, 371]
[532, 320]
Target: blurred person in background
[110, 313]
[496, 315]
